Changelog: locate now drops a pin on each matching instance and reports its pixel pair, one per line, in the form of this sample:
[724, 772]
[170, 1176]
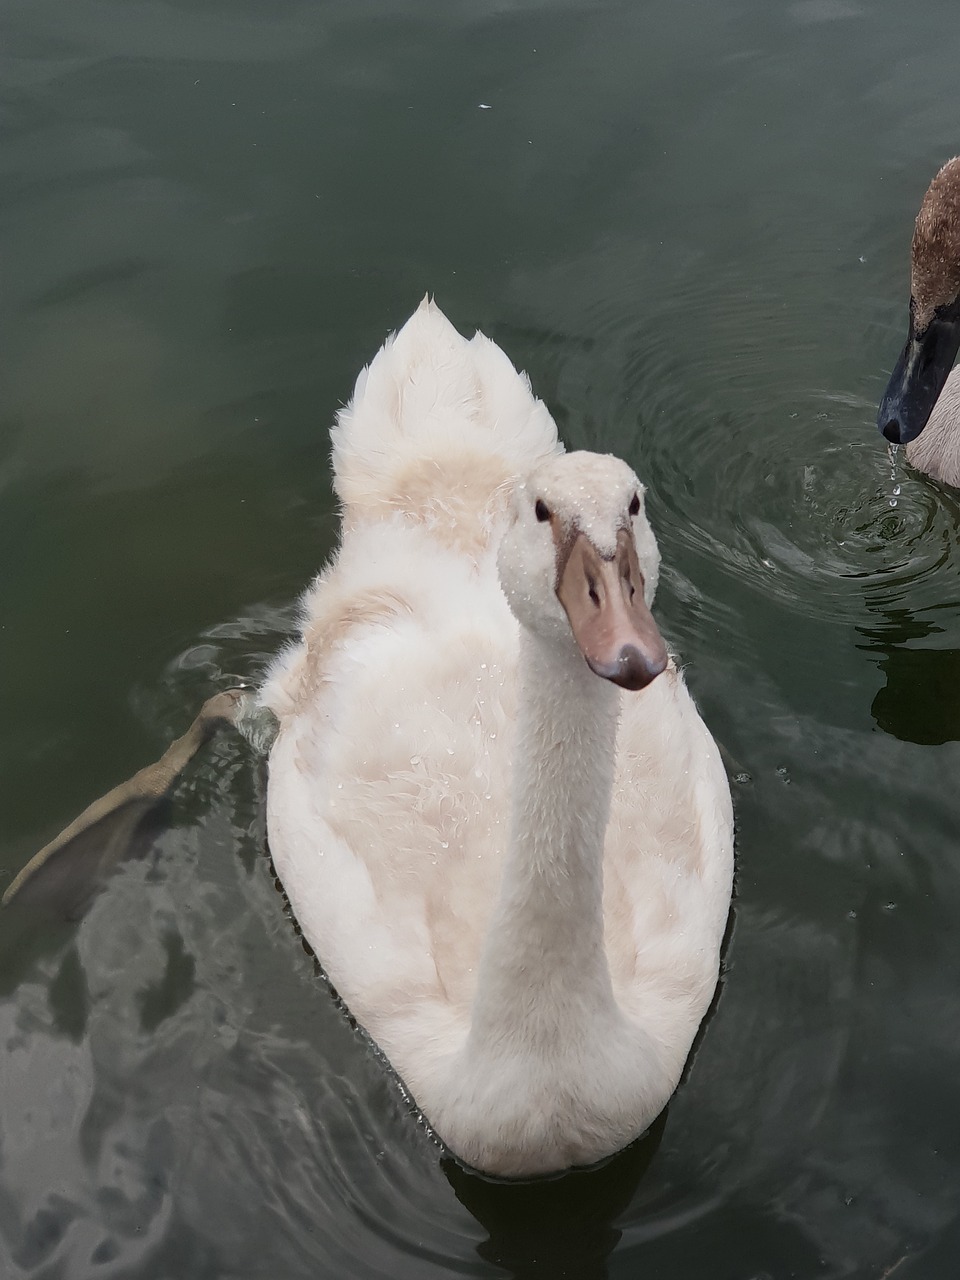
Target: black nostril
[891, 431]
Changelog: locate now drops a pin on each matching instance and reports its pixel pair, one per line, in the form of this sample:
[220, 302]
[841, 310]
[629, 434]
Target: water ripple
[799, 501]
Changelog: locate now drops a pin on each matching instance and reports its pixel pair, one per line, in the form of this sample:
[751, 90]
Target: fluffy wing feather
[396, 717]
[436, 428]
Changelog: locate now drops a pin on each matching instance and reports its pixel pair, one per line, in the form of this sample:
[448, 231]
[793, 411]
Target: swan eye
[634, 507]
[541, 510]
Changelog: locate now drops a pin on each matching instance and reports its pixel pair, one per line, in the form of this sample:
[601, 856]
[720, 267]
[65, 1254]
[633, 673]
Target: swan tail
[437, 424]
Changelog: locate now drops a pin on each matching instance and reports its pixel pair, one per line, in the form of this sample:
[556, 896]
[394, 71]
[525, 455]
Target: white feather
[526, 916]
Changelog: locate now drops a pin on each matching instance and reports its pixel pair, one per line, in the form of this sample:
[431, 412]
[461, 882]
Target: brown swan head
[934, 334]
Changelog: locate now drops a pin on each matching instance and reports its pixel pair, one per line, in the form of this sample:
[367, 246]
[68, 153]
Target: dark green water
[690, 224]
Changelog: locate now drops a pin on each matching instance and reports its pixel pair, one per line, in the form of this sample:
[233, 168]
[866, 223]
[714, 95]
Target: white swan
[923, 396]
[516, 877]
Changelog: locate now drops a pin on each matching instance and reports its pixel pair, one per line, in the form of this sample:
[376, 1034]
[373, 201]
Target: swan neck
[545, 947]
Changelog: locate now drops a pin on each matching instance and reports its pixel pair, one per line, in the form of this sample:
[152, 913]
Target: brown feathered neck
[935, 262]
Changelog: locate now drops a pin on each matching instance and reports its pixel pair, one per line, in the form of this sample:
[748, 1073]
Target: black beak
[918, 379]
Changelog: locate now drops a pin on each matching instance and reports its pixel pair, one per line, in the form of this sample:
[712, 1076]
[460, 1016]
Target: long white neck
[543, 980]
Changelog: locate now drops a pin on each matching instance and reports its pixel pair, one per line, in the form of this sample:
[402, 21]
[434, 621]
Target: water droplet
[742, 778]
[889, 906]
[414, 759]
[783, 775]
[851, 915]
[444, 844]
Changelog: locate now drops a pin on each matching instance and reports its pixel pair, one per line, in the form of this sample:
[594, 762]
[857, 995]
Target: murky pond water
[690, 224]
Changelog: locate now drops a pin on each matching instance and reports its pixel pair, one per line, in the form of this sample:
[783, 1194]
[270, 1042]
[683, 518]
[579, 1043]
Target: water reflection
[920, 701]
[556, 1227]
[692, 231]
[915, 608]
[27, 936]
[63, 886]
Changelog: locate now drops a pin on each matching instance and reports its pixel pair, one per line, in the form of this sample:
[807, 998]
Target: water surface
[690, 224]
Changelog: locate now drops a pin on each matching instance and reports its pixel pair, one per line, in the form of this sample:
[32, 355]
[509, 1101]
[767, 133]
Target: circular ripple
[764, 475]
[795, 495]
[823, 530]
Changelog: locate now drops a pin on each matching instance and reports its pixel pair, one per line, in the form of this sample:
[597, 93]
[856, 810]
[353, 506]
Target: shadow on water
[556, 1227]
[912, 598]
[920, 701]
[916, 634]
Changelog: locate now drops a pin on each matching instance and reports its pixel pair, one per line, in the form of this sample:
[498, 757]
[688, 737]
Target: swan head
[934, 334]
[579, 565]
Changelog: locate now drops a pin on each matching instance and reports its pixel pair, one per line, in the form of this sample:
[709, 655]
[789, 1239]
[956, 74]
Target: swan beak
[918, 379]
[603, 598]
